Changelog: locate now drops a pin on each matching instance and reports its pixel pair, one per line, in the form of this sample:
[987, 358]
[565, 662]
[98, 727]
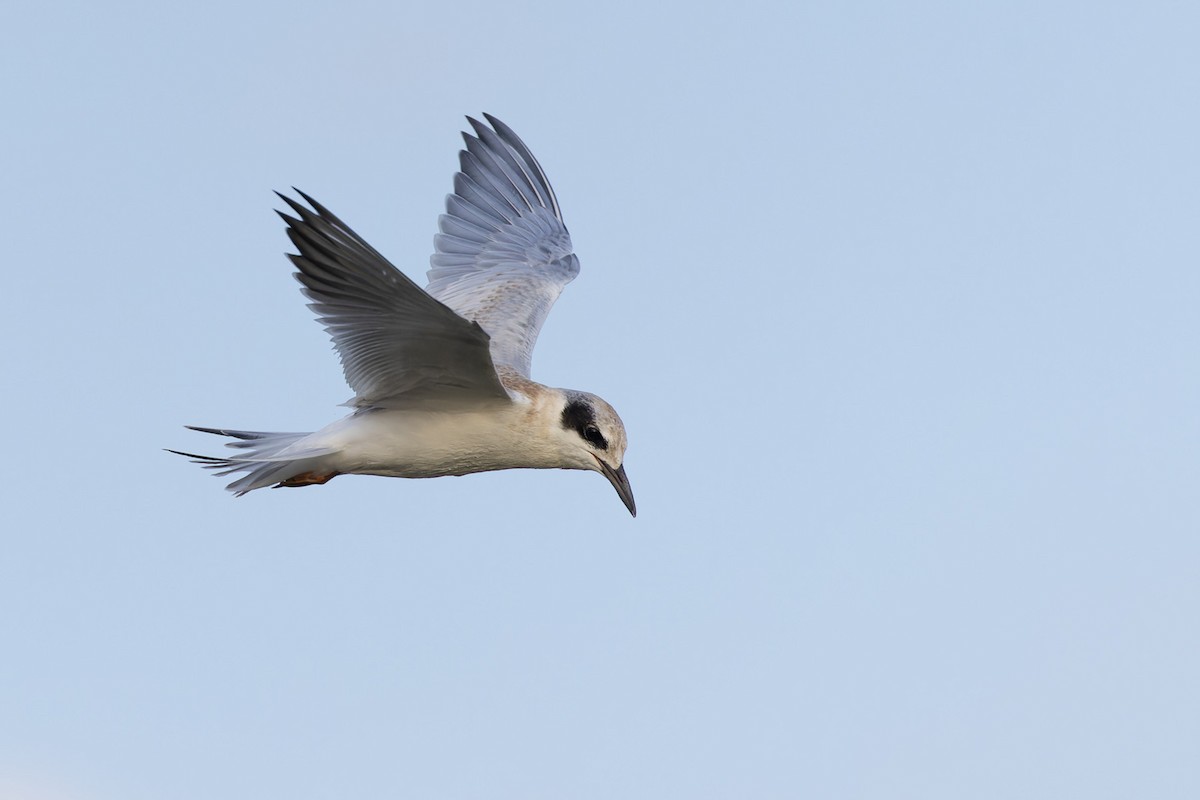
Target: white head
[592, 437]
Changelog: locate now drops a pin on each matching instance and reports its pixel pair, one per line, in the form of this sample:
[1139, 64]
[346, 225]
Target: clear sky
[899, 303]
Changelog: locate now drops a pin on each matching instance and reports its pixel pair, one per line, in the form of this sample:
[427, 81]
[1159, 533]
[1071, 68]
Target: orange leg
[308, 479]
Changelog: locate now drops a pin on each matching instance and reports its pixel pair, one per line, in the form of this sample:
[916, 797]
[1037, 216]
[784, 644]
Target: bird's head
[593, 437]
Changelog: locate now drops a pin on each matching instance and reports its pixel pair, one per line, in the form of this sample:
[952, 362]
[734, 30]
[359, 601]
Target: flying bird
[441, 375]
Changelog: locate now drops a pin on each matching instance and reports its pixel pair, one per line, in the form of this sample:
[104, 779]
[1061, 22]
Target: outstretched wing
[503, 254]
[399, 347]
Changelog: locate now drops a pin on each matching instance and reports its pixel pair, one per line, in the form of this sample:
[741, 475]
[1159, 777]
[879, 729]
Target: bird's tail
[269, 459]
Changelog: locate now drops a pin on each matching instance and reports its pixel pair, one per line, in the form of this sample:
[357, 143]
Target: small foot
[308, 479]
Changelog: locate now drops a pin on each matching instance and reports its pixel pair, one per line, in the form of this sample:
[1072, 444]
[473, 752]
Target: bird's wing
[399, 347]
[503, 254]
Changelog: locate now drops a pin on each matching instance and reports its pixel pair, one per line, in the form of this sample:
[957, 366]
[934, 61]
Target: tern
[441, 375]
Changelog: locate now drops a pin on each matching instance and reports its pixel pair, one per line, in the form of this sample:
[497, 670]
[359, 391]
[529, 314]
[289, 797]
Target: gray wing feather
[502, 255]
[399, 346]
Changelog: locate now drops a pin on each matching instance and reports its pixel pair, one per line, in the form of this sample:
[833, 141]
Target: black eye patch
[581, 418]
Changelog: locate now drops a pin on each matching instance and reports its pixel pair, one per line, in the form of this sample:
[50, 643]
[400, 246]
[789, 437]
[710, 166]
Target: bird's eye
[592, 434]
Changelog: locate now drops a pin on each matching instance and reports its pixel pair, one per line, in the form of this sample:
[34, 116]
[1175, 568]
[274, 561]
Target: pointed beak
[621, 483]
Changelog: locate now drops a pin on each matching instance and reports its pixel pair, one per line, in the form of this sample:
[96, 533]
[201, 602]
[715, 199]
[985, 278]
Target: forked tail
[270, 459]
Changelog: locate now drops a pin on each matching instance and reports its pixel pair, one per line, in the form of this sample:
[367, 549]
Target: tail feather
[271, 459]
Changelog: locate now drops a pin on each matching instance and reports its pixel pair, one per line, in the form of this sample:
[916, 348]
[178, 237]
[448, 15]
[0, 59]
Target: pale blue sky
[898, 303]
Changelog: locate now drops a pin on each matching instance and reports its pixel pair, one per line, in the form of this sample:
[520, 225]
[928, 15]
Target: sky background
[898, 303]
